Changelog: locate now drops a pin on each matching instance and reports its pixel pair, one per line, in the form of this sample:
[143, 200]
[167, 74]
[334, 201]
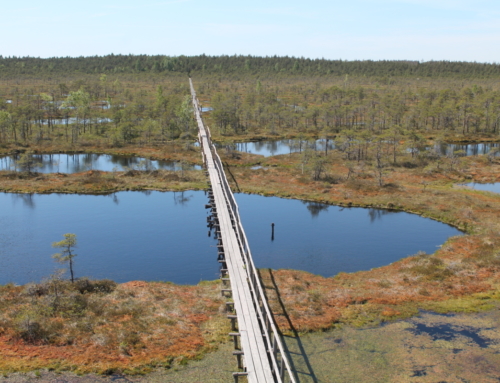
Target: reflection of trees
[180, 198]
[146, 165]
[175, 165]
[242, 147]
[8, 163]
[124, 161]
[315, 207]
[74, 163]
[273, 146]
[469, 149]
[375, 214]
[88, 160]
[169, 165]
[278, 146]
[28, 200]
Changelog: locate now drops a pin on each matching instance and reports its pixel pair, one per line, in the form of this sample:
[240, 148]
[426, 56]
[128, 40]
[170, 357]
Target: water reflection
[180, 198]
[315, 207]
[467, 149]
[163, 236]
[125, 236]
[338, 239]
[74, 120]
[277, 147]
[377, 214]
[116, 201]
[74, 163]
[27, 199]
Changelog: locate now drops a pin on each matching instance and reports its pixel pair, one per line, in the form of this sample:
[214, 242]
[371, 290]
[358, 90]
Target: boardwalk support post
[236, 375]
[235, 336]
[238, 357]
[233, 321]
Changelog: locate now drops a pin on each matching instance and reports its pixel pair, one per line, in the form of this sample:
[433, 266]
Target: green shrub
[84, 285]
[27, 326]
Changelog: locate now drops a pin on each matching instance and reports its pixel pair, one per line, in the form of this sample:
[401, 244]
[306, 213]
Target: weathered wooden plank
[248, 322]
[255, 354]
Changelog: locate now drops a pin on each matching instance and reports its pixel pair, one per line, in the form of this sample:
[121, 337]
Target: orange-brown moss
[136, 327]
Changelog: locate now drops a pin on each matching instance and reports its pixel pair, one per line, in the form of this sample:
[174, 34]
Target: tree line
[145, 107]
[238, 64]
[327, 110]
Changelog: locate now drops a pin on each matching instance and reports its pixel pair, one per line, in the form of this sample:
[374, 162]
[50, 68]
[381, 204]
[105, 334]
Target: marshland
[364, 173]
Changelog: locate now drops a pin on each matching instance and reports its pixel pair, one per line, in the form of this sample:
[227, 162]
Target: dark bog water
[449, 332]
[126, 236]
[163, 236]
[277, 147]
[74, 163]
[326, 239]
[467, 149]
[74, 120]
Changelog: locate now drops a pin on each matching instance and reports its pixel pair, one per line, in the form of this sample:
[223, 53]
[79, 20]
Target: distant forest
[288, 66]
[121, 100]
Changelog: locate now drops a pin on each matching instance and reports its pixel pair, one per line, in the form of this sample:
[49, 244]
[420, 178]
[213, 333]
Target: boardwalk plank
[256, 360]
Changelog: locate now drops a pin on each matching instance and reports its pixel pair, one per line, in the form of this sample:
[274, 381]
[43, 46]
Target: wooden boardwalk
[260, 352]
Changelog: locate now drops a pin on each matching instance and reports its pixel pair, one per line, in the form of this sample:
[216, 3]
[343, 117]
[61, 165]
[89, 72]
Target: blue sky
[457, 30]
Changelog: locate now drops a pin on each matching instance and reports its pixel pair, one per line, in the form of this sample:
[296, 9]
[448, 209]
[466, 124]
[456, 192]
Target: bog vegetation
[385, 120]
[99, 326]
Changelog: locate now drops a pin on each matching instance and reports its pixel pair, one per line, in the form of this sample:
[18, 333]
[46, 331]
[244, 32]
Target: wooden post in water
[272, 231]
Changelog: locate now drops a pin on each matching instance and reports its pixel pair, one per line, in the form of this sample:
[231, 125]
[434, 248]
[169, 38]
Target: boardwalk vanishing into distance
[258, 346]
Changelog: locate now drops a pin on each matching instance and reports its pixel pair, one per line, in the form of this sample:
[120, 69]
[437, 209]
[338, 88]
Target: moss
[467, 304]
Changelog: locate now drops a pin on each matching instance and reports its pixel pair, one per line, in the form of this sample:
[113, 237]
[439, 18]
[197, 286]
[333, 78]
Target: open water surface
[276, 147]
[163, 235]
[494, 187]
[325, 239]
[467, 149]
[74, 163]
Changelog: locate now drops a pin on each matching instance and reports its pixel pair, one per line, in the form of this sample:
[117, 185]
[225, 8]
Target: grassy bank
[97, 182]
